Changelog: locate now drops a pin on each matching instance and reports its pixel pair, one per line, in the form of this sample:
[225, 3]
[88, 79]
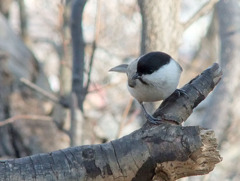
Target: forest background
[36, 68]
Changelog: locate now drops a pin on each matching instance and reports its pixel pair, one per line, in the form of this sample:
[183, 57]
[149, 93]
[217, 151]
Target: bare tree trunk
[78, 88]
[226, 95]
[65, 55]
[223, 112]
[78, 51]
[154, 152]
[161, 30]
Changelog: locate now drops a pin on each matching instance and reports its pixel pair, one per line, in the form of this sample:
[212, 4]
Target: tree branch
[76, 122]
[180, 108]
[63, 101]
[201, 12]
[90, 67]
[160, 152]
[25, 117]
[40, 90]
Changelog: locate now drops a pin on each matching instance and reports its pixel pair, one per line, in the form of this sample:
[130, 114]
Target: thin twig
[76, 129]
[124, 116]
[40, 90]
[90, 67]
[73, 129]
[201, 12]
[25, 117]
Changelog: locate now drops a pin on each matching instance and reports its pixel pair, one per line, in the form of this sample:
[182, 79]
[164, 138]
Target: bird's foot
[149, 117]
[180, 92]
[158, 121]
[153, 120]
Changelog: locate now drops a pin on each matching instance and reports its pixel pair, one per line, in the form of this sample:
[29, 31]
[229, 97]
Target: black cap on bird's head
[146, 64]
[151, 62]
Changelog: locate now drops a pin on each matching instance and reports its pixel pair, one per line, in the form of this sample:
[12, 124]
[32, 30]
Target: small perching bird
[152, 77]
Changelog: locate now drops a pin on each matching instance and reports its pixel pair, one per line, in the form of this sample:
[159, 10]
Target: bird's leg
[149, 117]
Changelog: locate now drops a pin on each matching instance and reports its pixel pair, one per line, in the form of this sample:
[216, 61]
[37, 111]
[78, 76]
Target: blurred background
[44, 48]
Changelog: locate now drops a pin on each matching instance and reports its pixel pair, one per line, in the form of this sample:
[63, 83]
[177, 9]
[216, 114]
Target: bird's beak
[135, 76]
[120, 68]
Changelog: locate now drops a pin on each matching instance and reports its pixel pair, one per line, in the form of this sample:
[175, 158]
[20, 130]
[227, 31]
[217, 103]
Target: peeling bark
[154, 152]
[200, 162]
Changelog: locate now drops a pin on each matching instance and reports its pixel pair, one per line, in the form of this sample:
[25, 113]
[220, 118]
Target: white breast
[161, 83]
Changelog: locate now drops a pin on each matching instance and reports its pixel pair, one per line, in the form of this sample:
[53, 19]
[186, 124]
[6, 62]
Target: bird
[152, 77]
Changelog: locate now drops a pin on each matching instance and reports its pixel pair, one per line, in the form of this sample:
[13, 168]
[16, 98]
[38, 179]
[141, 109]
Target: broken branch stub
[179, 108]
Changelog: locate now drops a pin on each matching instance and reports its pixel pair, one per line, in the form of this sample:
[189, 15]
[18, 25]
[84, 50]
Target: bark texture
[154, 152]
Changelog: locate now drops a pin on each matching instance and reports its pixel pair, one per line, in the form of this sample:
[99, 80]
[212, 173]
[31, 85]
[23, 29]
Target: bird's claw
[149, 117]
[153, 120]
[180, 92]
